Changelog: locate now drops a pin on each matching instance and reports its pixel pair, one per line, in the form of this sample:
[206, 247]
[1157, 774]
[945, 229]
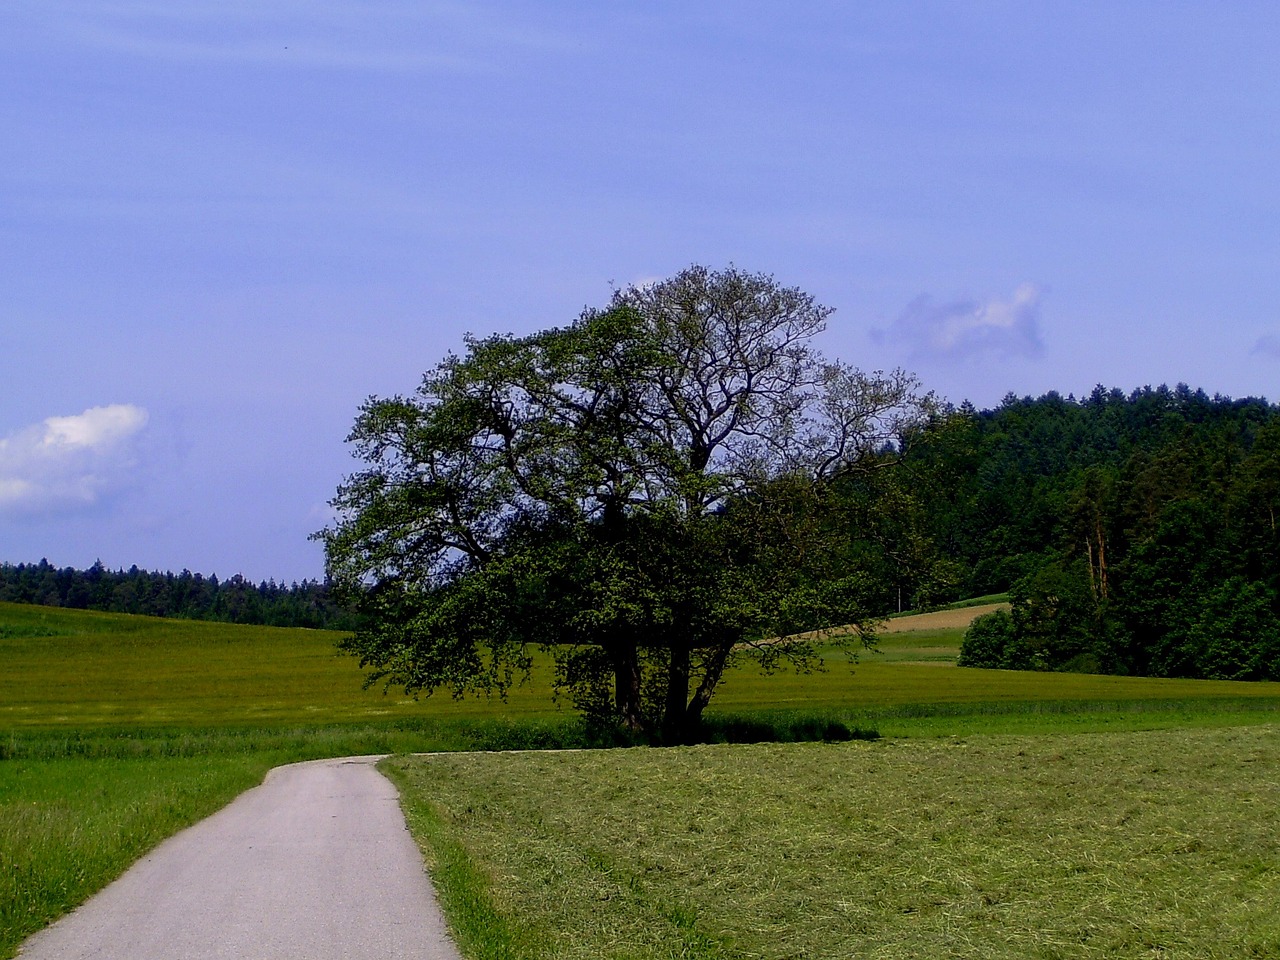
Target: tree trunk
[675, 729]
[1102, 561]
[626, 689]
[716, 664]
[625, 655]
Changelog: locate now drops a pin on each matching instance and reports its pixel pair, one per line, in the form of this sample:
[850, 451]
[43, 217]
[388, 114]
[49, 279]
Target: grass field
[1154, 844]
[116, 731]
[81, 670]
[78, 671]
[910, 686]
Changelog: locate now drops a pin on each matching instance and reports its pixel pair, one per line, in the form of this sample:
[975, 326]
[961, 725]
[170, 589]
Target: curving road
[315, 863]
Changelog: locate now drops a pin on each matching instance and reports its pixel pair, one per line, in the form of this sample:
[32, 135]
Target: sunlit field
[909, 685]
[82, 669]
[79, 670]
[1125, 845]
[116, 731]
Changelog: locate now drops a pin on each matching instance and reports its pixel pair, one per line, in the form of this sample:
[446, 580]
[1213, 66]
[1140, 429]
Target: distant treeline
[1137, 533]
[185, 595]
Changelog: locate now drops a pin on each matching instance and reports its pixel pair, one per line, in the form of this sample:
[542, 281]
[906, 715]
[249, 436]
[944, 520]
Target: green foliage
[186, 594]
[1137, 533]
[1012, 485]
[644, 494]
[895, 521]
[1058, 621]
[991, 642]
[1236, 635]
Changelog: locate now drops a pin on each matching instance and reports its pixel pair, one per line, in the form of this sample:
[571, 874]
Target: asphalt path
[315, 863]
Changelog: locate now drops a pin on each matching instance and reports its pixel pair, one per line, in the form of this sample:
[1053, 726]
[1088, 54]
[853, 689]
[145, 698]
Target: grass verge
[70, 826]
[465, 893]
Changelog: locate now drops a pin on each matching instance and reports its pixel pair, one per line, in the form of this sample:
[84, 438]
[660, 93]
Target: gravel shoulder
[315, 863]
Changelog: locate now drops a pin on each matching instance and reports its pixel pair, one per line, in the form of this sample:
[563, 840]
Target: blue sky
[225, 224]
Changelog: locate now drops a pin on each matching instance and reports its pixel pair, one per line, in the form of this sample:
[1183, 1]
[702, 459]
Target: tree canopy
[1136, 534]
[646, 493]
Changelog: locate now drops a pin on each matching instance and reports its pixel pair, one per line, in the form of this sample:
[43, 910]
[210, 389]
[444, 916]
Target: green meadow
[80, 670]
[74, 673]
[116, 731]
[1083, 845]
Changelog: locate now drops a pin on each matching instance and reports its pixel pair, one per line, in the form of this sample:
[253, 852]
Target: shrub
[992, 642]
[1237, 633]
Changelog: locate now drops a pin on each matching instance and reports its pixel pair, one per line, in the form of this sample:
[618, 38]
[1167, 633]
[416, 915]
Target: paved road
[316, 863]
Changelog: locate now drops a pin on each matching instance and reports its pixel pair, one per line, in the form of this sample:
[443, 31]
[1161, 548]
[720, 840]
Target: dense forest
[185, 595]
[1136, 533]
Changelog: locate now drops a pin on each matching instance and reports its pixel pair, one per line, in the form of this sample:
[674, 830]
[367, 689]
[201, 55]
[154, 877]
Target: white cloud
[68, 463]
[1008, 328]
[98, 428]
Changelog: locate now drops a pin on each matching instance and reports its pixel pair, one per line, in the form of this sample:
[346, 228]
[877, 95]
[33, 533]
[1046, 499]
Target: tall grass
[69, 826]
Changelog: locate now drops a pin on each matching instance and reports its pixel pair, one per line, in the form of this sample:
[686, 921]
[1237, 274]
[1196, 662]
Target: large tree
[643, 493]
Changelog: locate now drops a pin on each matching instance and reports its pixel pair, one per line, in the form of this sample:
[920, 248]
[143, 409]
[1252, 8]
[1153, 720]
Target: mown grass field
[116, 731]
[1135, 844]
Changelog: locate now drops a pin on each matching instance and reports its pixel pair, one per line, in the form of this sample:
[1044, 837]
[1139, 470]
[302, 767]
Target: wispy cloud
[402, 36]
[69, 463]
[1007, 328]
[1267, 346]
